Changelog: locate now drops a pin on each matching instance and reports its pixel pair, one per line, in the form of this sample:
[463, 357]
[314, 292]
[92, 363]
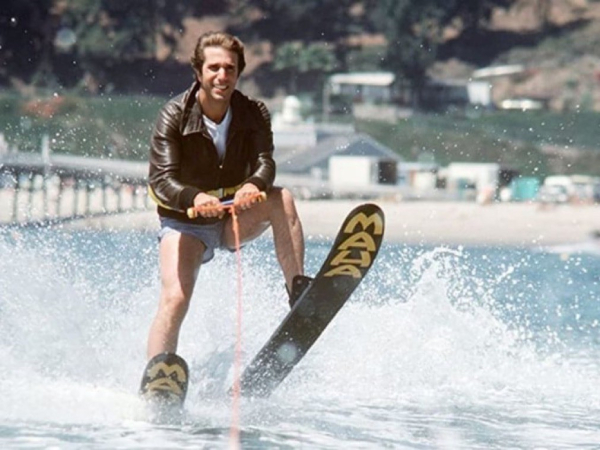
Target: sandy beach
[424, 222]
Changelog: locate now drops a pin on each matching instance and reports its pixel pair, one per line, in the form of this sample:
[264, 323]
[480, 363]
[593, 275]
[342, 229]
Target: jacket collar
[192, 112]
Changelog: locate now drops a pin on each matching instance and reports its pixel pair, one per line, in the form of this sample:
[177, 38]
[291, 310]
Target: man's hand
[246, 197]
[208, 206]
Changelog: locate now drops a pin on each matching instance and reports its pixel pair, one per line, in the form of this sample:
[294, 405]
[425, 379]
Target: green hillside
[535, 143]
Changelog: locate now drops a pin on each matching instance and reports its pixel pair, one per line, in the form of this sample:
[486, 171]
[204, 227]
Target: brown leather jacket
[184, 160]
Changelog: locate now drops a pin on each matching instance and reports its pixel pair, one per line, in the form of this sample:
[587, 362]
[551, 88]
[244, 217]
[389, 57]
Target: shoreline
[426, 222]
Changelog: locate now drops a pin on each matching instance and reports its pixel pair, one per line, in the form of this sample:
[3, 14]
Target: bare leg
[180, 260]
[279, 212]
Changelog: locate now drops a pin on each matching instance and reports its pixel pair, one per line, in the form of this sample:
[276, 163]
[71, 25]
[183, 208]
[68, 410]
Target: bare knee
[286, 197]
[282, 198]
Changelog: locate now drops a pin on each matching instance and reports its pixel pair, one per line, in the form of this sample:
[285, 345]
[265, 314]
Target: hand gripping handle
[193, 213]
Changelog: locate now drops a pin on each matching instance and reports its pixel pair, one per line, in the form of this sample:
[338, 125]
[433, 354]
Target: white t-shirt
[219, 132]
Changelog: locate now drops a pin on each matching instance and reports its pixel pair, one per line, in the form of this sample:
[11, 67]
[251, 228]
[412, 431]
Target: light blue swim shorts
[211, 234]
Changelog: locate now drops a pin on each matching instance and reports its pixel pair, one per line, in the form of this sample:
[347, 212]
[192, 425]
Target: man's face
[219, 74]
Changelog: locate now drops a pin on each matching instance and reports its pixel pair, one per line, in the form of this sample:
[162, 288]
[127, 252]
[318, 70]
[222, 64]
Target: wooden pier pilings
[38, 188]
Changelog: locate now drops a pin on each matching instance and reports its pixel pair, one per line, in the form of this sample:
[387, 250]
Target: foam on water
[431, 338]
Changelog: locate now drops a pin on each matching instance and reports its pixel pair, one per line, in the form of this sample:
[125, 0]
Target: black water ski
[165, 380]
[351, 256]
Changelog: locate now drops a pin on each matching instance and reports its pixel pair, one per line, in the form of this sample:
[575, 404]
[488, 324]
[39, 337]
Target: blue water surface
[440, 347]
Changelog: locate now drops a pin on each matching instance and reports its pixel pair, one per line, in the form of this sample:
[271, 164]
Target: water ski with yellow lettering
[164, 384]
[351, 256]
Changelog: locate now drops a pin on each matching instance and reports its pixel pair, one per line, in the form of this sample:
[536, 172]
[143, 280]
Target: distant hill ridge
[558, 42]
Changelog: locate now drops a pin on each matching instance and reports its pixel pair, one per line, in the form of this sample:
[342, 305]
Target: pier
[40, 188]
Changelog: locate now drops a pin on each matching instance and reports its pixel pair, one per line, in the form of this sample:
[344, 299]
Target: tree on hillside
[414, 31]
[109, 31]
[476, 14]
[307, 36]
[170, 16]
[97, 33]
[306, 21]
[26, 30]
[296, 57]
[112, 31]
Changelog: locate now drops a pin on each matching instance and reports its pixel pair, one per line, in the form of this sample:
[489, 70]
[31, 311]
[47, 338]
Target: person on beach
[212, 143]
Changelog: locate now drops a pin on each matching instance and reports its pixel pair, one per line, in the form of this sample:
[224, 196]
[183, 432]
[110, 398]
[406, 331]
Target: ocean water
[439, 348]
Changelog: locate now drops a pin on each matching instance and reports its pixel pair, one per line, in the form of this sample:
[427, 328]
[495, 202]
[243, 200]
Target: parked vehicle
[553, 194]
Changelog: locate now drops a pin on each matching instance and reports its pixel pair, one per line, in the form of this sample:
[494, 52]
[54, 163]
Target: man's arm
[165, 159]
[263, 170]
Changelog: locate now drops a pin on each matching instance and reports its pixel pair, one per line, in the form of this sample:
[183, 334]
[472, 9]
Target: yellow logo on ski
[360, 239]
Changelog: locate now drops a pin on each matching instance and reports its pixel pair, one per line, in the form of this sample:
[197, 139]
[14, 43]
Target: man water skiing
[209, 144]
